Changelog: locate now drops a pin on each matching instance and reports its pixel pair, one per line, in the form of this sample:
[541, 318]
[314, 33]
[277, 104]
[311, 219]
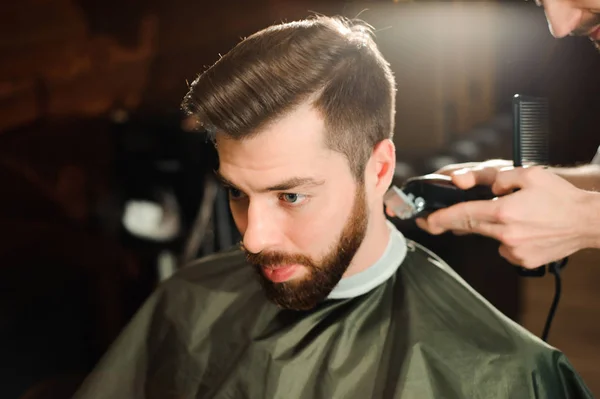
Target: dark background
[89, 120]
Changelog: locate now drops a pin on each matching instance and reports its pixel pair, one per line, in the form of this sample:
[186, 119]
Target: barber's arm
[585, 177]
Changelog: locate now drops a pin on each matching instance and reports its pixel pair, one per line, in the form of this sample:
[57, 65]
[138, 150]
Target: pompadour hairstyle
[331, 61]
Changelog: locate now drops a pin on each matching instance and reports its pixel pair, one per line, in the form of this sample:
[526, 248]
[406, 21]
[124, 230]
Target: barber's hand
[468, 174]
[482, 172]
[536, 225]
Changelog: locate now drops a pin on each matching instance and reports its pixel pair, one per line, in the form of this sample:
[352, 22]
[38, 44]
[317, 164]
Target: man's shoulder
[462, 313]
[450, 317]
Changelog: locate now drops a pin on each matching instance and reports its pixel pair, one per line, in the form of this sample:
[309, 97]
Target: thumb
[510, 180]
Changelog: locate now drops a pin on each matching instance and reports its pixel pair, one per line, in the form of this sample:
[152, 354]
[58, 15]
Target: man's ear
[384, 163]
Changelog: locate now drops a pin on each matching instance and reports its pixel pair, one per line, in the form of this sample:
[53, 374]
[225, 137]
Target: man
[326, 299]
[556, 211]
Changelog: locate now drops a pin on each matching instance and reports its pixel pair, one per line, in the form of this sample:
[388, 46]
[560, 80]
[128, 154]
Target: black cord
[554, 268]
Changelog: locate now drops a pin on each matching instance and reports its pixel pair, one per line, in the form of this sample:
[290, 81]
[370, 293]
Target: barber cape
[407, 327]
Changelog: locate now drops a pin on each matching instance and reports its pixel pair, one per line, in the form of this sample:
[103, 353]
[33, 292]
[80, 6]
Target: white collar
[376, 274]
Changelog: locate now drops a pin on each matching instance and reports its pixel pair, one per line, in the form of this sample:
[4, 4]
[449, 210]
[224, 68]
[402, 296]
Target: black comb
[530, 143]
[530, 133]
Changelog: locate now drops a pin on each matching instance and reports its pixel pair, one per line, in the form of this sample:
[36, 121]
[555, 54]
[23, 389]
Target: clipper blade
[400, 203]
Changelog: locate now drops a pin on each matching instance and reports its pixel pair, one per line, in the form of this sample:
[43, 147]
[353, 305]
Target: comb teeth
[530, 141]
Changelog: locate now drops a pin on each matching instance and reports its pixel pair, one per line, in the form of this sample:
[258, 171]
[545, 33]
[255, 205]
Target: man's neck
[372, 247]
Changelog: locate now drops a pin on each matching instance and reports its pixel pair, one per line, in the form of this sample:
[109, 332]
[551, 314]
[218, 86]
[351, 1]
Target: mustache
[272, 259]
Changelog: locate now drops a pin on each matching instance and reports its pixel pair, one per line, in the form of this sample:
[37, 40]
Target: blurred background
[106, 191]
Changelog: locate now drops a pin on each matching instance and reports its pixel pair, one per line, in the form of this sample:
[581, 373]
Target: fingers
[389, 212]
[422, 224]
[460, 232]
[511, 179]
[528, 257]
[467, 178]
[505, 252]
[489, 164]
[502, 180]
[508, 181]
[450, 169]
[529, 262]
[464, 178]
[479, 217]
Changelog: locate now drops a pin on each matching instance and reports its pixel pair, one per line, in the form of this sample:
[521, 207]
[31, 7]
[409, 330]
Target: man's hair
[331, 61]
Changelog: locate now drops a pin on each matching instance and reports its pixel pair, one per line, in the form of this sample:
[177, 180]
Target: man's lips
[279, 273]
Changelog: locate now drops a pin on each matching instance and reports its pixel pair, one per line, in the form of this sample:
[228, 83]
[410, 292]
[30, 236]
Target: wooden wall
[54, 67]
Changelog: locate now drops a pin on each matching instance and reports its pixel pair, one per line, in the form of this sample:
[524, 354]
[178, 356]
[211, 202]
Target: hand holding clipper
[422, 195]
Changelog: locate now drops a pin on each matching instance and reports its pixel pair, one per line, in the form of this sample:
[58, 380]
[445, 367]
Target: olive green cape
[209, 332]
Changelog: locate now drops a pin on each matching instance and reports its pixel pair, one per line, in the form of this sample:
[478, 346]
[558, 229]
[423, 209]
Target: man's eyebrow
[224, 180]
[286, 185]
[294, 182]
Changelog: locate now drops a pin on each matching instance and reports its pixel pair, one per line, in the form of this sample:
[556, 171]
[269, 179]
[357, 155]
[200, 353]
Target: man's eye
[292, 198]
[234, 193]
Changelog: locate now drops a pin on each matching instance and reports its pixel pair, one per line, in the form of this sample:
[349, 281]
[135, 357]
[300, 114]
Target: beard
[323, 274]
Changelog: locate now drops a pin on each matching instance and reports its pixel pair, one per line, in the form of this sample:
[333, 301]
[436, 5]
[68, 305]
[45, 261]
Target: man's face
[573, 17]
[301, 213]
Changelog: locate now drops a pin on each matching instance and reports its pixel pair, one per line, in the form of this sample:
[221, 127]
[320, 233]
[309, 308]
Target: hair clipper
[422, 195]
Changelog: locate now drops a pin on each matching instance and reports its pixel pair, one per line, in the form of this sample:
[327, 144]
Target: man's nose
[562, 17]
[261, 232]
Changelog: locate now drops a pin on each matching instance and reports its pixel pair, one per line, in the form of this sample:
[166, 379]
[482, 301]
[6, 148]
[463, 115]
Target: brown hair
[332, 60]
